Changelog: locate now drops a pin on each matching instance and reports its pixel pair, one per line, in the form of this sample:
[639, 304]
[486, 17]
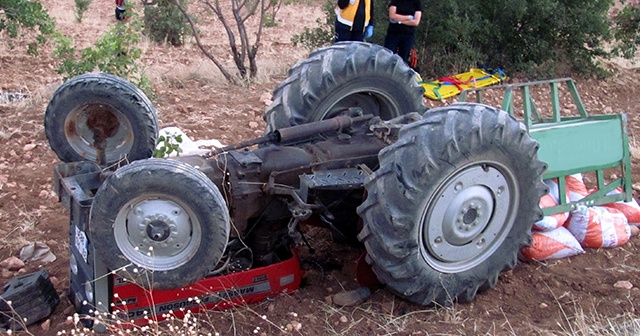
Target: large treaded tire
[159, 223]
[452, 203]
[104, 103]
[343, 75]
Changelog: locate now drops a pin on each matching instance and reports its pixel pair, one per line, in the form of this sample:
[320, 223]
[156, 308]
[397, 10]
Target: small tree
[115, 52]
[163, 22]
[17, 16]
[243, 48]
[81, 8]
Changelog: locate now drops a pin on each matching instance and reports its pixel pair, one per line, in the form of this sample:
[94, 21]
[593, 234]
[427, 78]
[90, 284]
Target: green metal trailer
[571, 141]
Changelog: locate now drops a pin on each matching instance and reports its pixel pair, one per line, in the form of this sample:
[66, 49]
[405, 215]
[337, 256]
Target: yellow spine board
[450, 86]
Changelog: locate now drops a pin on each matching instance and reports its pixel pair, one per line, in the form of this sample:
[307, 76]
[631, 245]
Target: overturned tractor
[442, 199]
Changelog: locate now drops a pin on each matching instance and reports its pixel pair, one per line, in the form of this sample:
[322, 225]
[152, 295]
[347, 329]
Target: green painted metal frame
[572, 144]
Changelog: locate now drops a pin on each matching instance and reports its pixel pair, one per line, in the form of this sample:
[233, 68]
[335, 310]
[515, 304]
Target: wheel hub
[157, 225]
[156, 233]
[87, 127]
[468, 217]
[158, 230]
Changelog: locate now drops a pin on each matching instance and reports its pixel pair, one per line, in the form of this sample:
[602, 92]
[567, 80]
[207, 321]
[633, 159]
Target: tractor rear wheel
[452, 203]
[341, 76]
[101, 106]
[159, 223]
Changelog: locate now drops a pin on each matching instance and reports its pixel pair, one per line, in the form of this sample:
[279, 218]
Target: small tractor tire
[452, 203]
[159, 223]
[105, 105]
[344, 75]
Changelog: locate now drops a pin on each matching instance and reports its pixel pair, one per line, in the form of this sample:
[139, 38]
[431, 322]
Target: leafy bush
[81, 8]
[164, 23]
[517, 35]
[535, 37]
[626, 31]
[270, 20]
[168, 144]
[115, 52]
[322, 35]
[17, 16]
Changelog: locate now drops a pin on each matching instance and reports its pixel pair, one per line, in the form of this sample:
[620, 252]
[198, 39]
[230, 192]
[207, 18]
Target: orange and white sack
[554, 244]
[548, 223]
[576, 189]
[599, 226]
[630, 209]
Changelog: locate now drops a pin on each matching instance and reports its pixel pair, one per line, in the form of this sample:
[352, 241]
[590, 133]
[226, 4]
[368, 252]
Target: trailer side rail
[571, 140]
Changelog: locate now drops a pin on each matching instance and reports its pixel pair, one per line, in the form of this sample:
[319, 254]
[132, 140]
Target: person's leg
[391, 42]
[405, 45]
[357, 35]
[343, 32]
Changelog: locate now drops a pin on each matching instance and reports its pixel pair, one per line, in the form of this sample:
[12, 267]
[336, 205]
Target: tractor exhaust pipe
[296, 132]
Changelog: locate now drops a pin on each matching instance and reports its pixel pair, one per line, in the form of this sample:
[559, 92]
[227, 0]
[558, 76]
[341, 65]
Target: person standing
[354, 20]
[404, 17]
[120, 10]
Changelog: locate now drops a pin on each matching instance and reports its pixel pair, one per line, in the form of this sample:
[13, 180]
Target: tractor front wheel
[159, 223]
[101, 117]
[452, 203]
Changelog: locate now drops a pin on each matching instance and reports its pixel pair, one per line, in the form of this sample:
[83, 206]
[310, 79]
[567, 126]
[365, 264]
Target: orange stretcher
[449, 86]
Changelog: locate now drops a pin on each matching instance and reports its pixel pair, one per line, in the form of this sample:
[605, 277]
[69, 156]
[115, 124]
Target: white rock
[623, 284]
[37, 251]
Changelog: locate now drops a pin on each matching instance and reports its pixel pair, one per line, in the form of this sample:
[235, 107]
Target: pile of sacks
[567, 234]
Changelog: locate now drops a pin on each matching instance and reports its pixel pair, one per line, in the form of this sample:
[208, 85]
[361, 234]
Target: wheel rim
[371, 100]
[83, 123]
[157, 233]
[468, 217]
